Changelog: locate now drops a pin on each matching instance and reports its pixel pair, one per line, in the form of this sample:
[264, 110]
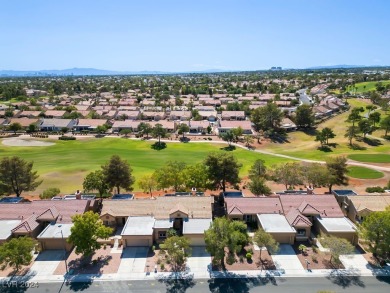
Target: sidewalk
[199, 275]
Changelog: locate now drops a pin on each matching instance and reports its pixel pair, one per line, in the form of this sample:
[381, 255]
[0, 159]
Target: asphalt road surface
[275, 285]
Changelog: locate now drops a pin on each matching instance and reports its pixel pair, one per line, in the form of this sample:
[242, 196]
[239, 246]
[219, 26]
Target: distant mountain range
[89, 71]
[93, 71]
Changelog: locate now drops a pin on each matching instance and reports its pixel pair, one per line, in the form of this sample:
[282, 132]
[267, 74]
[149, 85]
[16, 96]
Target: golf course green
[370, 158]
[65, 164]
[364, 173]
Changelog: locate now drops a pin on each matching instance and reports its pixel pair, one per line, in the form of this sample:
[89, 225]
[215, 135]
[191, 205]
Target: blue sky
[184, 35]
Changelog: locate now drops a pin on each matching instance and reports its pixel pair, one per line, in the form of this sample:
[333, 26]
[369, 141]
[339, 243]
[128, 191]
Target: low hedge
[67, 138]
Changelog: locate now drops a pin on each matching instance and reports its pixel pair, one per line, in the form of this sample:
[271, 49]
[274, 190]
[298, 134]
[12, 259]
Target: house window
[162, 235]
[301, 232]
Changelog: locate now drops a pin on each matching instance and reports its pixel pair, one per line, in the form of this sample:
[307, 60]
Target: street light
[63, 243]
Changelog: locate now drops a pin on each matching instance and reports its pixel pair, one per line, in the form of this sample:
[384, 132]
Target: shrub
[162, 266]
[373, 189]
[67, 138]
[49, 193]
[315, 249]
[248, 256]
[314, 258]
[302, 248]
[241, 259]
[153, 248]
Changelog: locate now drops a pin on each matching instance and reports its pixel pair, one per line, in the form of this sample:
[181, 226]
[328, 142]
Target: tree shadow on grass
[325, 148]
[357, 147]
[372, 141]
[309, 131]
[279, 138]
[228, 148]
[158, 146]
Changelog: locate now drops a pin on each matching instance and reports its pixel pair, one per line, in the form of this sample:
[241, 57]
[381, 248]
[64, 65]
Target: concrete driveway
[46, 262]
[286, 261]
[133, 260]
[199, 262]
[356, 262]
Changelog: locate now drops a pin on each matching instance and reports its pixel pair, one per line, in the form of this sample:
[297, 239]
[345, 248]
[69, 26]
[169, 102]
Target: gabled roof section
[296, 219]
[50, 214]
[178, 208]
[308, 209]
[26, 226]
[234, 210]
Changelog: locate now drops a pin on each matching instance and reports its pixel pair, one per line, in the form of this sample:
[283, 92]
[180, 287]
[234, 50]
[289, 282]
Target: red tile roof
[325, 205]
[253, 205]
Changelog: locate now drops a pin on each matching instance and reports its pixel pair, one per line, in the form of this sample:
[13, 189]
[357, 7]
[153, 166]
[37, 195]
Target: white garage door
[197, 240]
[137, 241]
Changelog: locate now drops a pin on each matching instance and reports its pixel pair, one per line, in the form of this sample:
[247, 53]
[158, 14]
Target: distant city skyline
[188, 36]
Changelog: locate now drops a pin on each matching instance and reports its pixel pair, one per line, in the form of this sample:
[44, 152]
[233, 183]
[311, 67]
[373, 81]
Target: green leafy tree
[258, 169]
[289, 174]
[304, 116]
[264, 239]
[222, 168]
[315, 174]
[49, 193]
[145, 128]
[16, 252]
[171, 175]
[86, 230]
[177, 250]
[196, 176]
[351, 133]
[337, 167]
[320, 137]
[96, 181]
[248, 139]
[337, 246]
[365, 126]
[237, 133]
[183, 129]
[374, 118]
[125, 132]
[228, 137]
[258, 186]
[16, 175]
[148, 183]
[101, 129]
[15, 127]
[354, 116]
[222, 234]
[376, 229]
[385, 124]
[267, 117]
[118, 173]
[159, 132]
[32, 128]
[328, 134]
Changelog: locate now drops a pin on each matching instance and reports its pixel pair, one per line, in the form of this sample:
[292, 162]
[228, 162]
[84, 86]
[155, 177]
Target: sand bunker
[25, 142]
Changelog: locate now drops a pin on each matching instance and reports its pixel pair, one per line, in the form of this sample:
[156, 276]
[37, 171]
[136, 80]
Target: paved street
[275, 285]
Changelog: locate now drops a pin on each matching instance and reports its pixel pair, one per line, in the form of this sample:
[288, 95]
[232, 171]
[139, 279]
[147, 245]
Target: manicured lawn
[370, 158]
[302, 145]
[65, 164]
[364, 173]
[363, 87]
